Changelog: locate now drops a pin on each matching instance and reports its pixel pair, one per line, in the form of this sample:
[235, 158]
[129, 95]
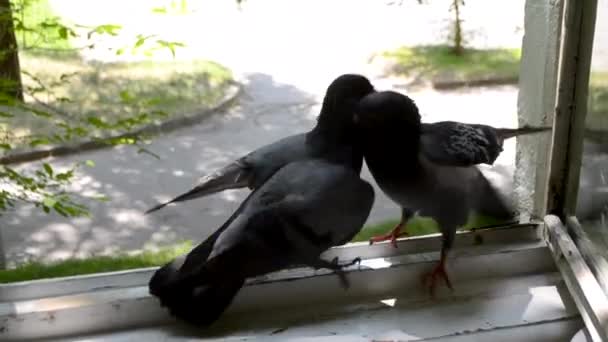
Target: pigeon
[428, 169]
[302, 210]
[334, 126]
[451, 143]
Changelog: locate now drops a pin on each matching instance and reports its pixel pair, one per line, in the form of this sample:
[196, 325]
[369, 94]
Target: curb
[498, 81]
[151, 129]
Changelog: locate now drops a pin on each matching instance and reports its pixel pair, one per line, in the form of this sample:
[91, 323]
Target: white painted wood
[571, 109]
[584, 288]
[526, 308]
[377, 279]
[588, 249]
[581, 336]
[536, 101]
[139, 277]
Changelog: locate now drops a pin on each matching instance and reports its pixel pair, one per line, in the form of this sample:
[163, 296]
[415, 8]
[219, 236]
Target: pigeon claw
[335, 266]
[430, 279]
[391, 236]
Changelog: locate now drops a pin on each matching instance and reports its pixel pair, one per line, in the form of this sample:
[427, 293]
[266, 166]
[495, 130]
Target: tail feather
[195, 297]
[506, 133]
[203, 305]
[490, 202]
[233, 176]
[166, 276]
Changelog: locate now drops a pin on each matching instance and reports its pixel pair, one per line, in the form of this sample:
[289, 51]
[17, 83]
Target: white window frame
[79, 306]
[583, 268]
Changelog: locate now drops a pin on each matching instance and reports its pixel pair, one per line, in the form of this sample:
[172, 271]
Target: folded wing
[451, 143]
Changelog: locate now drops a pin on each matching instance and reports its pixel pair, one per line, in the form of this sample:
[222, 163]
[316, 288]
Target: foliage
[37, 29]
[437, 61]
[597, 110]
[64, 97]
[95, 264]
[598, 94]
[43, 187]
[107, 98]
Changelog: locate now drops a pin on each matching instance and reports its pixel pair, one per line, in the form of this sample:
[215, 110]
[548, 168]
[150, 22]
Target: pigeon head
[341, 99]
[387, 114]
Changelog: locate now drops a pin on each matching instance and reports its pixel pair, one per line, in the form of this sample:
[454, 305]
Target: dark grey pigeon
[460, 144]
[397, 148]
[334, 126]
[301, 211]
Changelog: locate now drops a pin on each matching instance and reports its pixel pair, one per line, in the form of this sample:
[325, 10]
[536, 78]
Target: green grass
[37, 270]
[597, 110]
[598, 93]
[114, 91]
[438, 62]
[418, 226]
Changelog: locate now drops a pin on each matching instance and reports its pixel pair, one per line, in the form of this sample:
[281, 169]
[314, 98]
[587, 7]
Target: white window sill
[507, 285]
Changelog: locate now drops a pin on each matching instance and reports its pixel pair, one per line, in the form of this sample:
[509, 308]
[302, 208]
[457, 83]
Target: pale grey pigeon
[326, 139]
[428, 168]
[302, 210]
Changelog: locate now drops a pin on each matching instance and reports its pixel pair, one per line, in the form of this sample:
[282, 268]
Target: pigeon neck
[333, 127]
[337, 146]
[393, 153]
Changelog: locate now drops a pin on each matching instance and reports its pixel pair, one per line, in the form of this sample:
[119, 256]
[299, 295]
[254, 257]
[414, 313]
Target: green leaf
[5, 146]
[39, 141]
[66, 77]
[102, 198]
[140, 42]
[48, 169]
[125, 96]
[6, 115]
[89, 163]
[110, 29]
[64, 99]
[60, 210]
[170, 45]
[159, 10]
[64, 176]
[146, 151]
[41, 113]
[63, 32]
[120, 51]
[97, 122]
[49, 202]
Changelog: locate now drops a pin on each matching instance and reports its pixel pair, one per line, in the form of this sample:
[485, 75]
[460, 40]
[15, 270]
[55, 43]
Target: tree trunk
[458, 49]
[10, 71]
[2, 253]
